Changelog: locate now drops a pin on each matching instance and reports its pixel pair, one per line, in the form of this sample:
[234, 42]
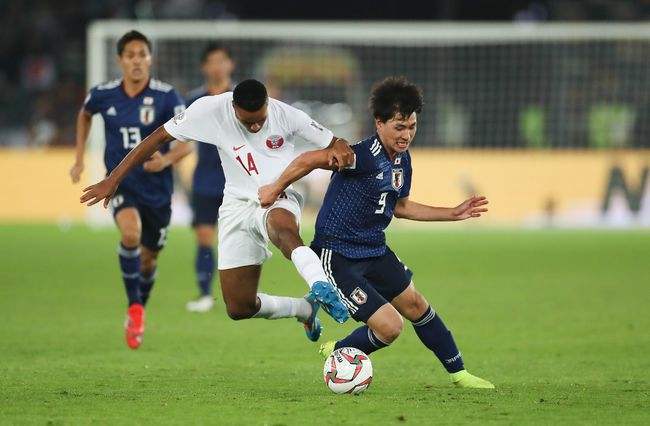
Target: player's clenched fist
[340, 155]
[103, 190]
[268, 194]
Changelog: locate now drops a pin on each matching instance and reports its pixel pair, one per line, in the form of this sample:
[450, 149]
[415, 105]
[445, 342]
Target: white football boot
[202, 304]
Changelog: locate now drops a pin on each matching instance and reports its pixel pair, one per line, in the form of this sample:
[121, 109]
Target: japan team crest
[147, 114]
[398, 178]
[359, 296]
[274, 141]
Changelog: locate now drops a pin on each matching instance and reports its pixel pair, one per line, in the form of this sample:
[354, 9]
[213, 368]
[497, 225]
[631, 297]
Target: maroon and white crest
[359, 296]
[274, 141]
[398, 178]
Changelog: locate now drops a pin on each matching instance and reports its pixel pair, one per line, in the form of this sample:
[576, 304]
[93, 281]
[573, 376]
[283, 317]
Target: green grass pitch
[558, 320]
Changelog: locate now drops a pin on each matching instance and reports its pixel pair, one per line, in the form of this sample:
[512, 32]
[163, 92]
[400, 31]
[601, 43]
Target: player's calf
[147, 272]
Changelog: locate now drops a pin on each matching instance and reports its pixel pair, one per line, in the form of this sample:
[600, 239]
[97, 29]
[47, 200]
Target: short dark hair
[129, 37]
[214, 47]
[395, 95]
[250, 95]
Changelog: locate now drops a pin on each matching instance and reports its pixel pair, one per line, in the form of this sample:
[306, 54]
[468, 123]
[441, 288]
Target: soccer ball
[347, 370]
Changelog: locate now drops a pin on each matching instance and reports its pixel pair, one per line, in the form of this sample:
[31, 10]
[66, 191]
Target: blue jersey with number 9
[128, 120]
[360, 201]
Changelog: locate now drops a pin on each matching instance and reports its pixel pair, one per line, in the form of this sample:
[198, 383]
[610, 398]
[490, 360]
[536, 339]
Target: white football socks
[308, 265]
[275, 307]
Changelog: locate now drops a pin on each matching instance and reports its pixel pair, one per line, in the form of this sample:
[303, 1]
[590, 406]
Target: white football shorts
[243, 238]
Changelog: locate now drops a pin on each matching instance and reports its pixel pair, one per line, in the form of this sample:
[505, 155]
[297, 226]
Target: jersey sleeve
[175, 104]
[192, 124]
[408, 172]
[307, 128]
[92, 103]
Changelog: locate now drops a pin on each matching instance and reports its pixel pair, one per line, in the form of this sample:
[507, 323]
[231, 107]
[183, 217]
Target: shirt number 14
[251, 164]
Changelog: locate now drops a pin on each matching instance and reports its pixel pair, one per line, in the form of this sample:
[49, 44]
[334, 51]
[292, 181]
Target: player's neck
[133, 88]
[218, 87]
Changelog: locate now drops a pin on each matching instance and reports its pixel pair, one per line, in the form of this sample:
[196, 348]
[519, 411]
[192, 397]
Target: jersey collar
[398, 158]
[146, 86]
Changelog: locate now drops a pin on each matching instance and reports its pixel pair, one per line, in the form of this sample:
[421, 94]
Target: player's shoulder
[370, 145]
[210, 105]
[107, 85]
[105, 90]
[160, 86]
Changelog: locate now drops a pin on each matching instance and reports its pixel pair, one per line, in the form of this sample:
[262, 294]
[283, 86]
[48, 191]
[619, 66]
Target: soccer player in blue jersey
[208, 180]
[132, 107]
[358, 206]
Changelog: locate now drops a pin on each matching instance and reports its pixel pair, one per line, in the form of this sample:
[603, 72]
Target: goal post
[486, 85]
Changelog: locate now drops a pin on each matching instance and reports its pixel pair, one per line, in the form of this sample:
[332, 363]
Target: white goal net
[485, 85]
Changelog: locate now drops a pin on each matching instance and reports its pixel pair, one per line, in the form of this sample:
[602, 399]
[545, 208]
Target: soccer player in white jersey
[256, 138]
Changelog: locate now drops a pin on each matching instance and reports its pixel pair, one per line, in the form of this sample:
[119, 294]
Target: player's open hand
[75, 172]
[103, 190]
[268, 194]
[156, 163]
[340, 155]
[472, 207]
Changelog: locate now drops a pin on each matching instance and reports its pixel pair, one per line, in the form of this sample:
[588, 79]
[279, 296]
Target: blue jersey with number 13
[128, 120]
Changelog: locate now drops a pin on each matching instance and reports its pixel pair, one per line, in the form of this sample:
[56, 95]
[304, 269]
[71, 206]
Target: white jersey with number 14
[249, 160]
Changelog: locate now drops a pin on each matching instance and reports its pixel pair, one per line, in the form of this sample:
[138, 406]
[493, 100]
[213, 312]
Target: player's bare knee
[241, 310]
[390, 331]
[130, 238]
[205, 235]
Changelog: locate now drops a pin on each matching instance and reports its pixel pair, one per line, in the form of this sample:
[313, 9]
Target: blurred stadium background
[546, 111]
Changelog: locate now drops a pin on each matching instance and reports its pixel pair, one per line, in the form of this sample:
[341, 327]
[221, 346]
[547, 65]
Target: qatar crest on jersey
[274, 141]
[398, 178]
[147, 114]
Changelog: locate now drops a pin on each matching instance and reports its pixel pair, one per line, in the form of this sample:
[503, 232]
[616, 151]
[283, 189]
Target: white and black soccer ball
[347, 370]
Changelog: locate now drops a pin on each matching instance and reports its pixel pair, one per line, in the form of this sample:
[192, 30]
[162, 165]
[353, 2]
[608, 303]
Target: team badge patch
[179, 118]
[398, 178]
[147, 114]
[359, 296]
[274, 141]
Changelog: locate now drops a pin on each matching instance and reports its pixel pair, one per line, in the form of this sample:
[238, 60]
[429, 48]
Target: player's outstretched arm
[84, 121]
[472, 207]
[105, 189]
[299, 167]
[158, 162]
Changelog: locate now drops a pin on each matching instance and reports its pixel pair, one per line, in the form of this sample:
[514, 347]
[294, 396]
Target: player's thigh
[361, 299]
[411, 303]
[283, 230]
[239, 242]
[155, 225]
[388, 275]
[127, 219]
[239, 285]
[205, 210]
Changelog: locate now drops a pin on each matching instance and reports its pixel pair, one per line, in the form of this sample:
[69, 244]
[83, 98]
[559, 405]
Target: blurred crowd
[42, 43]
